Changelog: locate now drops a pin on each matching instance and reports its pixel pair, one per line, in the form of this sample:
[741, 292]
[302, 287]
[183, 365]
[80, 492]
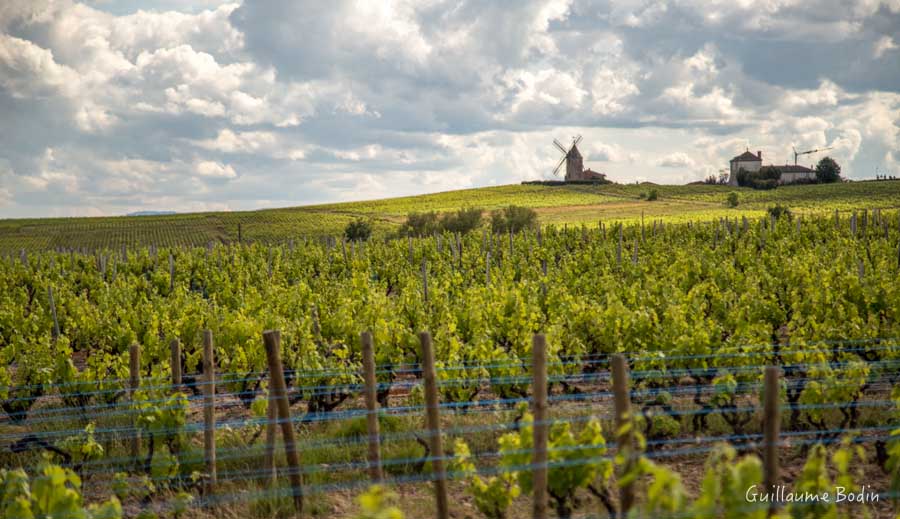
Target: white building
[746, 161]
[750, 162]
[794, 173]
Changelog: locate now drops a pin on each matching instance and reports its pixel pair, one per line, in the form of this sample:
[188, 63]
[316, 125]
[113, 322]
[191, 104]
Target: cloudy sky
[113, 106]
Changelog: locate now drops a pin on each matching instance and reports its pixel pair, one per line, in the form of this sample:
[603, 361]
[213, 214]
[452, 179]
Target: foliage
[514, 219]
[732, 199]
[723, 491]
[828, 170]
[767, 177]
[377, 503]
[575, 462]
[777, 211]
[358, 230]
[421, 224]
[53, 492]
[493, 495]
[652, 195]
[462, 220]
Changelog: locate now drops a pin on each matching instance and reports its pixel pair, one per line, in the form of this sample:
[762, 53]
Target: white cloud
[27, 70]
[883, 45]
[214, 170]
[676, 160]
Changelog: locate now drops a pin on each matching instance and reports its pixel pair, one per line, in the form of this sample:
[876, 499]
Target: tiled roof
[746, 156]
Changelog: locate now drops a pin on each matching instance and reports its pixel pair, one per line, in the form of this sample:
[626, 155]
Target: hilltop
[561, 204]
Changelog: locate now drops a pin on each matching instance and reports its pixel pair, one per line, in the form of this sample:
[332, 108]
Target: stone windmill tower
[573, 159]
[575, 163]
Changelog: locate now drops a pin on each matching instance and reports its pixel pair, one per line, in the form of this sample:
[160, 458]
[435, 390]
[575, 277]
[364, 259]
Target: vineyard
[557, 205]
[633, 368]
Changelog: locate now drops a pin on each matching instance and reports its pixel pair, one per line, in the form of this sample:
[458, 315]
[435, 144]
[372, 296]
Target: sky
[115, 106]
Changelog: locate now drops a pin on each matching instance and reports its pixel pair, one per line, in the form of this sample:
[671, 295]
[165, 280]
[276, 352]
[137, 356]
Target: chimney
[759, 154]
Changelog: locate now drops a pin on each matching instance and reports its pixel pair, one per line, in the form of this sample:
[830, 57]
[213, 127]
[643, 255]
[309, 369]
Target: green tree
[358, 230]
[421, 224]
[828, 170]
[462, 221]
[513, 218]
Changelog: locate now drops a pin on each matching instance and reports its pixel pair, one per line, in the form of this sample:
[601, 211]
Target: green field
[563, 204]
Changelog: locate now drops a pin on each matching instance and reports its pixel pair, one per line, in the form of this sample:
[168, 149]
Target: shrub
[421, 224]
[462, 221]
[513, 218]
[778, 211]
[652, 195]
[732, 199]
[766, 178]
[358, 230]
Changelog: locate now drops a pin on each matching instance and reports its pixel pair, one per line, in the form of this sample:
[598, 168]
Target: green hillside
[562, 204]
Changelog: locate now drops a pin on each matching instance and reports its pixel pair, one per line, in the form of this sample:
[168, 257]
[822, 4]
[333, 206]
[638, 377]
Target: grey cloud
[206, 104]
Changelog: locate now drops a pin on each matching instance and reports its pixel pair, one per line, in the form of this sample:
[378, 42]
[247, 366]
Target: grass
[563, 204]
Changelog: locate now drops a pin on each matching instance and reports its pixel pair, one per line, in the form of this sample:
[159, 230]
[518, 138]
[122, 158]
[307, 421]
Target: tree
[358, 230]
[421, 224]
[828, 170]
[513, 218]
[767, 177]
[462, 221]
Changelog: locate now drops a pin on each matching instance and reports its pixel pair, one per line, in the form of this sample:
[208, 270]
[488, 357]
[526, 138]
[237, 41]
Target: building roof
[573, 153]
[792, 168]
[746, 156]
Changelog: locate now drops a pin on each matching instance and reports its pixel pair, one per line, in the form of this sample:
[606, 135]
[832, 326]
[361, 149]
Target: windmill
[807, 152]
[572, 158]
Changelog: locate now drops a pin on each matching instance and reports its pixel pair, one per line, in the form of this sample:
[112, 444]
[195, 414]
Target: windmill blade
[556, 169]
[560, 146]
[576, 140]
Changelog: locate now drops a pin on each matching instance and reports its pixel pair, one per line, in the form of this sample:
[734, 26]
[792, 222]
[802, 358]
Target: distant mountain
[150, 213]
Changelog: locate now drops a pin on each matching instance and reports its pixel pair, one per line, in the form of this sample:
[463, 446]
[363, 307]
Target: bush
[358, 230]
[421, 224]
[652, 195]
[462, 221]
[778, 211]
[513, 218]
[767, 177]
[732, 199]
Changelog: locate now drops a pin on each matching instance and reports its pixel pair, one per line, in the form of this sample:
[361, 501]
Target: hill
[564, 204]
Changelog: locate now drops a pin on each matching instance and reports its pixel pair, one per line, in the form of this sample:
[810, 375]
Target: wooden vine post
[278, 394]
[171, 273]
[771, 430]
[368, 353]
[134, 382]
[619, 248]
[175, 361]
[53, 313]
[425, 279]
[541, 427]
[209, 412]
[624, 425]
[433, 422]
